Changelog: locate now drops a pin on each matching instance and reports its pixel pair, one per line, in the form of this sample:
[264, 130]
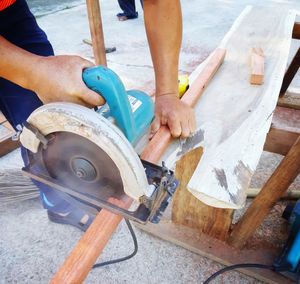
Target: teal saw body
[133, 110]
[88, 154]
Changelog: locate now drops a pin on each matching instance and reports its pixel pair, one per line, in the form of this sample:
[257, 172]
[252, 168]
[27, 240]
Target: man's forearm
[163, 22]
[16, 64]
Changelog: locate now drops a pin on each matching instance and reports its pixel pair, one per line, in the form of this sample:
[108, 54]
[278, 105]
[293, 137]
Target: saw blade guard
[79, 120]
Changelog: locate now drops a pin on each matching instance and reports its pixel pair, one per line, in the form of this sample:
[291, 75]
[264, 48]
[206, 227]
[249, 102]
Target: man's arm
[163, 21]
[53, 78]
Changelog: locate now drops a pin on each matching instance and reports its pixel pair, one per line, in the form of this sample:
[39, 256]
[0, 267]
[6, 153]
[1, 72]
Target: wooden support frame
[81, 259]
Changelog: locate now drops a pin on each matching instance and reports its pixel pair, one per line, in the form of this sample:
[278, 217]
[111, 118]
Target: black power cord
[207, 281]
[101, 264]
[236, 266]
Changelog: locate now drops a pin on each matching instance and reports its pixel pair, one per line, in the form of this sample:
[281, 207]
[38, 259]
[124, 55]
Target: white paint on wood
[233, 117]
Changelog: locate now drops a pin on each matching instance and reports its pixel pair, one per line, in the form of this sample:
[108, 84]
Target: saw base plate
[151, 209]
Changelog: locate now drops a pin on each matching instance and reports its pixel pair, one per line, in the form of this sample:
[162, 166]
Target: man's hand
[178, 116]
[54, 78]
[59, 78]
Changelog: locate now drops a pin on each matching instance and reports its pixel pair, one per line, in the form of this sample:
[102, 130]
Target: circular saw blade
[81, 165]
[86, 144]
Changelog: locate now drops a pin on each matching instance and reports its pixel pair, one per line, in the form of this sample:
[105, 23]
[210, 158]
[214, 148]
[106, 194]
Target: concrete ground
[32, 248]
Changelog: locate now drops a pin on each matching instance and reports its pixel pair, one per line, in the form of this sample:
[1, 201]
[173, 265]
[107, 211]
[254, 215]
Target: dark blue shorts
[18, 25]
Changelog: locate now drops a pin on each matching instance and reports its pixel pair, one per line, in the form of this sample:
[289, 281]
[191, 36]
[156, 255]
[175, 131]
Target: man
[129, 10]
[32, 75]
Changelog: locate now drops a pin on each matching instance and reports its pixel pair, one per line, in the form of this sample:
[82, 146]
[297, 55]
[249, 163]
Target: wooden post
[189, 211]
[95, 22]
[273, 190]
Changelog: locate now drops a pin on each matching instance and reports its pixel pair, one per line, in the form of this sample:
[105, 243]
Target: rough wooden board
[193, 240]
[234, 117]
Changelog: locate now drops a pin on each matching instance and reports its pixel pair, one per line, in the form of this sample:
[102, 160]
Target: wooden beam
[272, 191]
[96, 30]
[296, 31]
[257, 66]
[187, 210]
[162, 139]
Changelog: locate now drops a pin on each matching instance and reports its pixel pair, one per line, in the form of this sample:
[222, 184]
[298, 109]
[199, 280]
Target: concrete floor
[32, 248]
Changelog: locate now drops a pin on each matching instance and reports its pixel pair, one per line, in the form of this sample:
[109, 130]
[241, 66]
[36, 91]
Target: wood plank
[272, 191]
[234, 117]
[216, 250]
[161, 140]
[95, 22]
[189, 211]
[257, 66]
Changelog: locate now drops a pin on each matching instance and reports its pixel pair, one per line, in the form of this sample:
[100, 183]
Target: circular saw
[88, 154]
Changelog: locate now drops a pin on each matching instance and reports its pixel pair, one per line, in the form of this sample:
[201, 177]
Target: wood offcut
[257, 66]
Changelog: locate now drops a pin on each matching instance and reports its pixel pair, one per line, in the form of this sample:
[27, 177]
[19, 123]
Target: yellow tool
[183, 84]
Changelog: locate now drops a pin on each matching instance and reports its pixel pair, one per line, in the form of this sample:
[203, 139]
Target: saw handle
[128, 118]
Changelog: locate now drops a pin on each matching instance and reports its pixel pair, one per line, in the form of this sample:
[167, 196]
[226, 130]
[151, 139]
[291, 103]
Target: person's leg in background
[129, 10]
[18, 26]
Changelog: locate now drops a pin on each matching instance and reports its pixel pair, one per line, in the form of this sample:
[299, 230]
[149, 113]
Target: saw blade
[86, 150]
[81, 165]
